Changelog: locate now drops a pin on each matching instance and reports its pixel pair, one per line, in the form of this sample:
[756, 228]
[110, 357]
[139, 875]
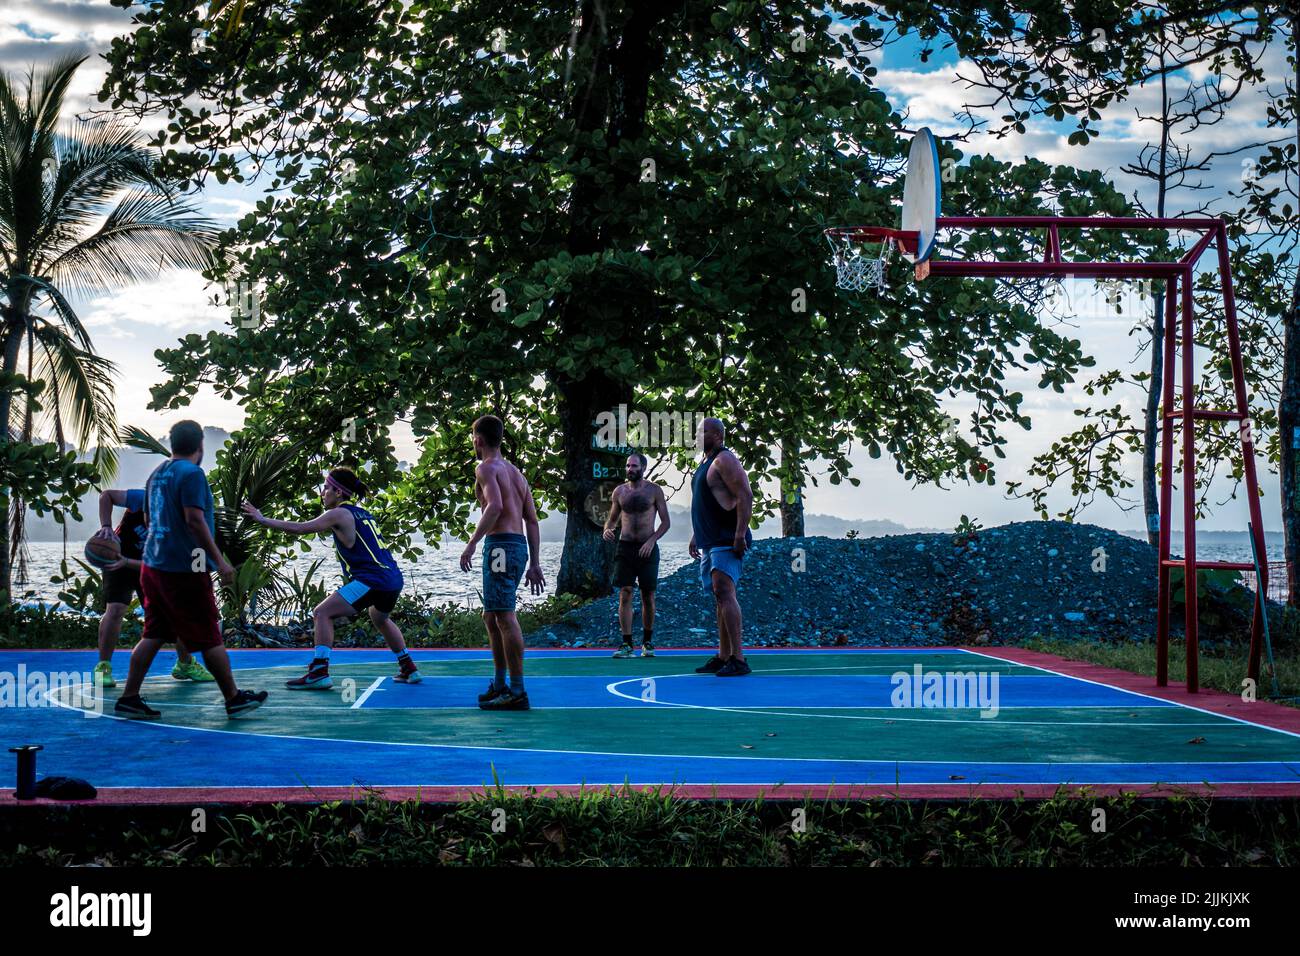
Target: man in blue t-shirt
[179, 603]
[122, 583]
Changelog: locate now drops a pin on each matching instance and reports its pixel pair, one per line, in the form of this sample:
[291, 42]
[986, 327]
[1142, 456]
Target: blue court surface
[924, 721]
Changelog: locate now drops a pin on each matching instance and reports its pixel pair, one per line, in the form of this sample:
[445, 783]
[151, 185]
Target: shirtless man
[721, 505]
[635, 504]
[508, 510]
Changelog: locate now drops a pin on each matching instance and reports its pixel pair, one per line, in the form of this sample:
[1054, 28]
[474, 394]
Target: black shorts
[362, 596]
[121, 586]
[630, 568]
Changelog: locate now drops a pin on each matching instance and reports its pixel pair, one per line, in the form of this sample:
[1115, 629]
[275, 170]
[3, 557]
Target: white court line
[1138, 693]
[369, 690]
[607, 753]
[984, 721]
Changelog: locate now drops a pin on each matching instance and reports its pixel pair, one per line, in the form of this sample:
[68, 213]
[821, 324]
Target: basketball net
[856, 270]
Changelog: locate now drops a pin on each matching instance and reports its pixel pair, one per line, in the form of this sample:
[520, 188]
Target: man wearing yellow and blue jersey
[372, 579]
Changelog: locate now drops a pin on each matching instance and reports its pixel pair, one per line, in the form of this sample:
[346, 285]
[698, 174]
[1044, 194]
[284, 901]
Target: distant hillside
[133, 468]
[815, 525]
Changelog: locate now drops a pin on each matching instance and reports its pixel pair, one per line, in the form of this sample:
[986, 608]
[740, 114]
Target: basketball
[102, 552]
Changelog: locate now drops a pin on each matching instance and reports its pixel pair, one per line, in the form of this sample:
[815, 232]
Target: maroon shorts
[180, 606]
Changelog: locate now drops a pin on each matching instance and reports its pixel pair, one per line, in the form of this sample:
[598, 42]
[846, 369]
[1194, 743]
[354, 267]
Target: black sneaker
[491, 692]
[507, 700]
[134, 708]
[245, 701]
[712, 667]
[733, 668]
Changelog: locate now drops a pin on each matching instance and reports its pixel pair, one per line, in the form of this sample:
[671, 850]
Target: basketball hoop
[857, 269]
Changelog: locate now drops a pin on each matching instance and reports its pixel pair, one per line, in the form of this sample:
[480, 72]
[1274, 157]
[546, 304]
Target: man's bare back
[512, 491]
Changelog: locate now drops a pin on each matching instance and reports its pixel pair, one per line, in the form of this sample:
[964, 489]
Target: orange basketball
[102, 552]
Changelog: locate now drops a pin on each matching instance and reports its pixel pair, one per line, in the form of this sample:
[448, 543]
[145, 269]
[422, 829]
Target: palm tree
[82, 213]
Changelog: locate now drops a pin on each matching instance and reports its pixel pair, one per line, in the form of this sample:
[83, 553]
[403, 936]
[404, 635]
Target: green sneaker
[623, 652]
[104, 674]
[192, 670]
[647, 650]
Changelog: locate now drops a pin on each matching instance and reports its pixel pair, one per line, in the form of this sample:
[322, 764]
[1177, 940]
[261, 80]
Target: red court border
[1227, 705]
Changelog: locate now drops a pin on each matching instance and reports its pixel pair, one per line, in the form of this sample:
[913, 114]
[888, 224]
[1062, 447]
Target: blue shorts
[722, 559]
[505, 556]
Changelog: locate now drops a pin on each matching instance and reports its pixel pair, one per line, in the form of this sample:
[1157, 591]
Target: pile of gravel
[1004, 585]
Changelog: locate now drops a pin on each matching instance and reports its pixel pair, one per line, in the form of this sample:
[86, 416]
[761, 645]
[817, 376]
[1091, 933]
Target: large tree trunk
[791, 510]
[13, 337]
[1288, 414]
[611, 96]
[585, 566]
[1150, 494]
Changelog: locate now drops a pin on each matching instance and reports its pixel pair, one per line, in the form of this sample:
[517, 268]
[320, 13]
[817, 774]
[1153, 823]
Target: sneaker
[245, 701]
[647, 651]
[316, 678]
[407, 672]
[506, 700]
[134, 708]
[104, 674]
[712, 667]
[733, 668]
[192, 670]
[624, 652]
[491, 692]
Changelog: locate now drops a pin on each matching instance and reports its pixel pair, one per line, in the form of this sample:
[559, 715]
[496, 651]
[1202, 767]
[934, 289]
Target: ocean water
[436, 575]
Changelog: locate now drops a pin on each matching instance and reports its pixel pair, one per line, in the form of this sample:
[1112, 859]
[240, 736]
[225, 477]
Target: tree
[483, 208]
[1093, 457]
[1059, 60]
[81, 212]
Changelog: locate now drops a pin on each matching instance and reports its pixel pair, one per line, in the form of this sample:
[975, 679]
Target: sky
[129, 325]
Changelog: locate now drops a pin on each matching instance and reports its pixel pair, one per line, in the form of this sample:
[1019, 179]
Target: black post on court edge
[26, 789]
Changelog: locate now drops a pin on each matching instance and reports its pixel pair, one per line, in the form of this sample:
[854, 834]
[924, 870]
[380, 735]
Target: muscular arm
[536, 581]
[661, 508]
[532, 528]
[318, 525]
[197, 523]
[737, 482]
[107, 499]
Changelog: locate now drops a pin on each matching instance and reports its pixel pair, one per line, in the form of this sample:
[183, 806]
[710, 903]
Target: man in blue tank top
[721, 505]
[372, 580]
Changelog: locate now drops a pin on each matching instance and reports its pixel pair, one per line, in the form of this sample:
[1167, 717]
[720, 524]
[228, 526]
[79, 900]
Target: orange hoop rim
[905, 239]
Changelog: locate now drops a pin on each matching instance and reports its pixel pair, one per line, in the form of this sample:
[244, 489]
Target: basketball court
[831, 721]
[805, 723]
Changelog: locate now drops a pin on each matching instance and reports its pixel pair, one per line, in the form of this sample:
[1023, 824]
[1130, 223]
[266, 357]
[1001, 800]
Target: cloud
[176, 303]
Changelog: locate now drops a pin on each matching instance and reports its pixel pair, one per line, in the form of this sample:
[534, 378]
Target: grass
[625, 828]
[452, 625]
[41, 627]
[423, 625]
[1223, 670]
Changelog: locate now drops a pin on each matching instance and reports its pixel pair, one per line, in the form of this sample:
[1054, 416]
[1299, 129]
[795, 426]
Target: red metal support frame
[1166, 486]
[1189, 483]
[1179, 276]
